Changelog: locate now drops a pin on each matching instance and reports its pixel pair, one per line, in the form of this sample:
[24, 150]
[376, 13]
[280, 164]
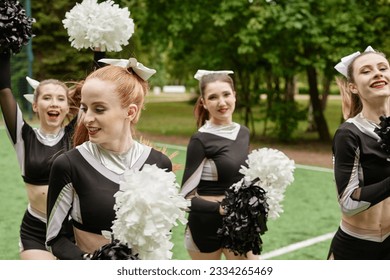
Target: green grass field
[310, 210]
[310, 206]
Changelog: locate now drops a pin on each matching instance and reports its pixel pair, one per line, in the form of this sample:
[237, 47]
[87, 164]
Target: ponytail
[351, 105]
[201, 114]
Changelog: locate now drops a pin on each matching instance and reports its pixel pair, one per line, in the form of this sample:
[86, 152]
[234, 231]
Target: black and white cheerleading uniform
[35, 153]
[215, 155]
[362, 175]
[83, 182]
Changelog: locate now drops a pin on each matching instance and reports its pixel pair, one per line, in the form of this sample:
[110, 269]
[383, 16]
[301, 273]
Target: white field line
[296, 246]
[314, 168]
[169, 146]
[291, 247]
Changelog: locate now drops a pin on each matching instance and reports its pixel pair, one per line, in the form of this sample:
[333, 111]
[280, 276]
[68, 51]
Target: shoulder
[71, 125]
[198, 140]
[347, 129]
[65, 159]
[347, 136]
[244, 129]
[160, 159]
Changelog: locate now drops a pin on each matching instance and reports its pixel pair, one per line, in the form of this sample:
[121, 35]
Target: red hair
[130, 88]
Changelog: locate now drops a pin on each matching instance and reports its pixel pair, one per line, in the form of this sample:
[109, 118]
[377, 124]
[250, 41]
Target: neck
[373, 110]
[373, 114]
[118, 148]
[49, 131]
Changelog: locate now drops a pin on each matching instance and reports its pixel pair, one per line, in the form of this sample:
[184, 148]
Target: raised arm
[7, 101]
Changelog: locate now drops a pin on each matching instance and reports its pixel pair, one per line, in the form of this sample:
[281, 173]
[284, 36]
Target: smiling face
[52, 107]
[102, 113]
[371, 77]
[220, 101]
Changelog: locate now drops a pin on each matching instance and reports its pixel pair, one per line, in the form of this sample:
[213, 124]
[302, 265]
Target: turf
[310, 210]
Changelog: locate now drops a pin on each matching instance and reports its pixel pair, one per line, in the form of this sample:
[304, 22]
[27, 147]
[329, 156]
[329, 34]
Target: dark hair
[201, 114]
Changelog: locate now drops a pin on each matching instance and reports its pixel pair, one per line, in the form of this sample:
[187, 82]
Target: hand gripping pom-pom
[383, 132]
[254, 199]
[15, 27]
[114, 251]
[245, 219]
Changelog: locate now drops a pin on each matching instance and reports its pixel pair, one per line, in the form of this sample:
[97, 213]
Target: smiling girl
[361, 168]
[84, 180]
[215, 154]
[36, 148]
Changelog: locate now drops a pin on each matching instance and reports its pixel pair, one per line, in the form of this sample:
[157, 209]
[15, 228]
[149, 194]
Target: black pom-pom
[383, 132]
[245, 219]
[15, 26]
[114, 251]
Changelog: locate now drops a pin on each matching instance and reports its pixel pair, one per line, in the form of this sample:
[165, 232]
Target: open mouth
[92, 130]
[378, 84]
[53, 114]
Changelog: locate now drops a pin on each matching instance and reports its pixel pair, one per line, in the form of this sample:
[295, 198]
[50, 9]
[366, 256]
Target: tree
[268, 44]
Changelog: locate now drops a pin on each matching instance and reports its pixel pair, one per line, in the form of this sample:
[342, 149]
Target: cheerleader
[83, 181]
[215, 154]
[361, 166]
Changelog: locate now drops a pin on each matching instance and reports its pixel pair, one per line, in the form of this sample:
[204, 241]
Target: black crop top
[224, 156]
[82, 187]
[34, 153]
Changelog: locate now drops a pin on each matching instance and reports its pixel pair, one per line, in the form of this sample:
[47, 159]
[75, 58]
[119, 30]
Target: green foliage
[259, 40]
[286, 116]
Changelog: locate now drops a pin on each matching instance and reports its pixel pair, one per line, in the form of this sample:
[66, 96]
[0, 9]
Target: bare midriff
[37, 197]
[373, 222]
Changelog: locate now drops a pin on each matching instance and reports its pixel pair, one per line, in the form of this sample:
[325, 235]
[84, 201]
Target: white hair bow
[342, 67]
[200, 73]
[34, 84]
[142, 71]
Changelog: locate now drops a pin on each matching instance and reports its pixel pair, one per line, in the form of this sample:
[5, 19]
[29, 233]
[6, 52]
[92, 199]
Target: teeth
[378, 84]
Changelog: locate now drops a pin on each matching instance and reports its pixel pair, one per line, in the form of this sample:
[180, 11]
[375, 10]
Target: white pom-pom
[104, 25]
[147, 207]
[275, 171]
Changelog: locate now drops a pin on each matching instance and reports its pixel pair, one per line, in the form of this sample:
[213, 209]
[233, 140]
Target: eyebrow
[96, 103]
[371, 66]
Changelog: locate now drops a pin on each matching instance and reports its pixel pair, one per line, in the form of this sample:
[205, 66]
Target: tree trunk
[321, 124]
[246, 95]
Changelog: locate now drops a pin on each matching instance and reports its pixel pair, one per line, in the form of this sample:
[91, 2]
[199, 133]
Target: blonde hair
[351, 103]
[38, 90]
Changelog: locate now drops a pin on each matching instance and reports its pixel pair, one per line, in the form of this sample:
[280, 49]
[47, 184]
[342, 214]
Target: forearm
[65, 249]
[5, 70]
[375, 193]
[358, 199]
[7, 100]
[96, 56]
[201, 205]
